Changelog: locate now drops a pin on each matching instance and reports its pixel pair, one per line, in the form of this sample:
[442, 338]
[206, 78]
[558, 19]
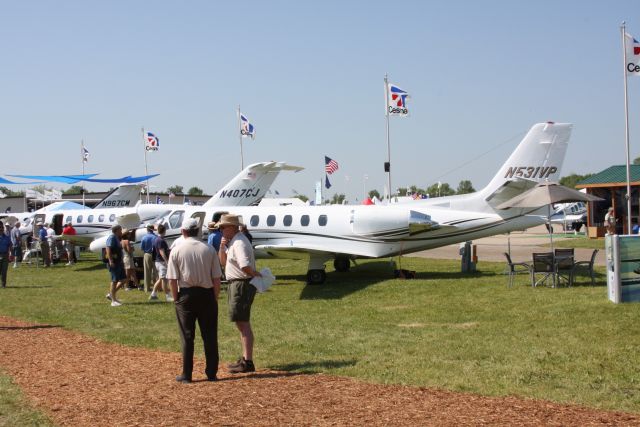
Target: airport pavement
[523, 244]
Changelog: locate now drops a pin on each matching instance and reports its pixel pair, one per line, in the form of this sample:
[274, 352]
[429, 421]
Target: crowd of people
[189, 273]
[12, 250]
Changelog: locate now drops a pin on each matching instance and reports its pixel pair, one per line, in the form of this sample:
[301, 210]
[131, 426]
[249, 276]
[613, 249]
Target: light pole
[364, 186]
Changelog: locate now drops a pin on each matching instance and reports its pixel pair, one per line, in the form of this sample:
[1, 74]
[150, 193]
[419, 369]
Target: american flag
[330, 165]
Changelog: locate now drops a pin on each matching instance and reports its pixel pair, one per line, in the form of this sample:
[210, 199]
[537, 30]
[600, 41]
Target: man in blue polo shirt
[150, 272]
[5, 250]
[43, 238]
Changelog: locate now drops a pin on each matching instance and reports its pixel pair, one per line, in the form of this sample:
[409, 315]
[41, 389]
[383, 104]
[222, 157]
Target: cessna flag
[152, 142]
[85, 154]
[247, 130]
[633, 55]
[397, 101]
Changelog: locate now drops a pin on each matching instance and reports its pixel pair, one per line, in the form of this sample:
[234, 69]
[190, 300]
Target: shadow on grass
[26, 328]
[312, 367]
[340, 284]
[29, 287]
[93, 267]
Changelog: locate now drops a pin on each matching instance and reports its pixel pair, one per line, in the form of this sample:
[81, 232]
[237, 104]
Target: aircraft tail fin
[537, 158]
[249, 186]
[125, 195]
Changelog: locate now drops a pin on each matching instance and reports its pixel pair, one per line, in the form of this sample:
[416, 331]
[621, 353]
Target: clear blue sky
[309, 75]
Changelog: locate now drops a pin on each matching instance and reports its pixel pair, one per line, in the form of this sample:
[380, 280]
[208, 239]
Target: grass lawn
[444, 329]
[14, 411]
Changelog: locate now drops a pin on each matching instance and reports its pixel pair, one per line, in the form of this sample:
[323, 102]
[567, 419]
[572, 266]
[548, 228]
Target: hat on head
[150, 227]
[229, 219]
[189, 224]
[39, 223]
[212, 225]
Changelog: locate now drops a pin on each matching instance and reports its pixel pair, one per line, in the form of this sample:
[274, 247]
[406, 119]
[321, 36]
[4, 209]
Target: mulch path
[81, 381]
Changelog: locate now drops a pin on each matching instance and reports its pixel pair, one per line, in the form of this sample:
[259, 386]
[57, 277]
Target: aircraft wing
[299, 251]
[78, 239]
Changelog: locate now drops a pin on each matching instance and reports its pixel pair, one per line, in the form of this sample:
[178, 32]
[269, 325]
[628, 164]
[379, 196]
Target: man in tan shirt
[236, 254]
[194, 277]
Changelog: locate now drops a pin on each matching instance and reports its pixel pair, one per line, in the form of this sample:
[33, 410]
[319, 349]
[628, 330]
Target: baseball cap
[189, 224]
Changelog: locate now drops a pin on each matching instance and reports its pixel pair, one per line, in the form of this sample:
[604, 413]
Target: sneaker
[108, 296]
[15, 265]
[169, 297]
[116, 303]
[182, 379]
[236, 363]
[153, 297]
[243, 367]
[69, 263]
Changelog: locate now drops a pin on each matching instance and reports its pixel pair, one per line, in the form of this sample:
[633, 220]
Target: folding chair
[515, 268]
[542, 264]
[564, 266]
[585, 266]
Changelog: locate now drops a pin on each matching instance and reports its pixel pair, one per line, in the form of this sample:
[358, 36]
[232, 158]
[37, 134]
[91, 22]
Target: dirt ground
[80, 381]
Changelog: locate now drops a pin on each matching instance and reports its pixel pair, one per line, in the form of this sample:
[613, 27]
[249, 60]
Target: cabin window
[101, 218]
[79, 219]
[271, 220]
[287, 220]
[304, 220]
[254, 221]
[175, 219]
[90, 218]
[322, 220]
[112, 217]
[69, 219]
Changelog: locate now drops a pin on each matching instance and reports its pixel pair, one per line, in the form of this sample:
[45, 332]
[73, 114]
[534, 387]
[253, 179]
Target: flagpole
[626, 125]
[146, 169]
[82, 159]
[386, 109]
[240, 134]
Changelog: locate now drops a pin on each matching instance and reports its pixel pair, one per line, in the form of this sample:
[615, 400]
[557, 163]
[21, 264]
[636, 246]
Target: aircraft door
[56, 223]
[200, 217]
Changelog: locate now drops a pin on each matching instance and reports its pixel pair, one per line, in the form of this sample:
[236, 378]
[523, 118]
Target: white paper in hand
[263, 283]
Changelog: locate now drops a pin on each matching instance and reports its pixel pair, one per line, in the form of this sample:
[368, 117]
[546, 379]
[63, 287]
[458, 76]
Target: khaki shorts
[240, 294]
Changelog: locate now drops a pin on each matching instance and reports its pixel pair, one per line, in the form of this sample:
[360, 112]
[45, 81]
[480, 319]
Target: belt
[238, 280]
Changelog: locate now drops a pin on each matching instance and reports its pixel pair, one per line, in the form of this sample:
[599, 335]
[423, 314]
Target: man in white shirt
[194, 278]
[236, 254]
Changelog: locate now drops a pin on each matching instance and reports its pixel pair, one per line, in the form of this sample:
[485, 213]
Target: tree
[402, 191]
[444, 190]
[374, 193]
[10, 193]
[571, 180]
[301, 197]
[337, 199]
[195, 191]
[176, 189]
[74, 189]
[636, 161]
[465, 187]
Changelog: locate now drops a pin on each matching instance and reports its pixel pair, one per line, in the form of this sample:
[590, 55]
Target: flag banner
[85, 154]
[159, 201]
[330, 165]
[326, 182]
[247, 130]
[152, 142]
[633, 55]
[397, 101]
[171, 195]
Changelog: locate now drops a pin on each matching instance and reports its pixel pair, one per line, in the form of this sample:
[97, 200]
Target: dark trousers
[4, 264]
[198, 304]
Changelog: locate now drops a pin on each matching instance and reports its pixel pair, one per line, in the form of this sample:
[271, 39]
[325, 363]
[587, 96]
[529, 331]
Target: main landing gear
[316, 277]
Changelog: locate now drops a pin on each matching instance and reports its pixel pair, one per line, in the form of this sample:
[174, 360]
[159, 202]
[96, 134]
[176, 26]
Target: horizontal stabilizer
[509, 190]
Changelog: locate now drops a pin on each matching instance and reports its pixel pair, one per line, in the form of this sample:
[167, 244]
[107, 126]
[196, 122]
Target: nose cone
[98, 245]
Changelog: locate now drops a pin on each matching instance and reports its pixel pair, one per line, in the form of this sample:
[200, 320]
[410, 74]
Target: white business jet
[344, 232]
[122, 205]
